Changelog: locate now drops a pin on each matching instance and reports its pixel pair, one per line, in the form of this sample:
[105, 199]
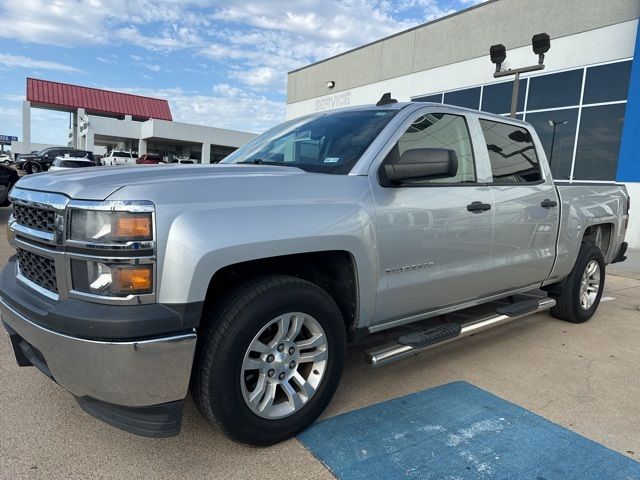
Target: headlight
[110, 227]
[111, 280]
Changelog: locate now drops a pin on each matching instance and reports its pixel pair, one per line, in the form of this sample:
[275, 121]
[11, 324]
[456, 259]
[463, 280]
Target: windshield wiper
[259, 161]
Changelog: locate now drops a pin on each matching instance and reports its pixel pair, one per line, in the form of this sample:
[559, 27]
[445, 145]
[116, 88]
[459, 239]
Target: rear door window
[511, 152]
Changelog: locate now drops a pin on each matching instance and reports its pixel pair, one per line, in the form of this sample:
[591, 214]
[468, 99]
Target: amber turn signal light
[132, 280]
[132, 226]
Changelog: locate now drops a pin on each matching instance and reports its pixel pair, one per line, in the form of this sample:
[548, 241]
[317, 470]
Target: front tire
[6, 202]
[270, 360]
[578, 298]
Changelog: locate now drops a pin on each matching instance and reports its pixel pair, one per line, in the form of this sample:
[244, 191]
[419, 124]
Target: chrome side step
[417, 342]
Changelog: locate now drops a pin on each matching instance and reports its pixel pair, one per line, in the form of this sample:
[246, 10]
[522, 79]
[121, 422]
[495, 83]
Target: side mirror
[420, 164]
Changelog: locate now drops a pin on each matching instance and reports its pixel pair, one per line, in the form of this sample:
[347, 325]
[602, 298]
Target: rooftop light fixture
[541, 43]
[498, 55]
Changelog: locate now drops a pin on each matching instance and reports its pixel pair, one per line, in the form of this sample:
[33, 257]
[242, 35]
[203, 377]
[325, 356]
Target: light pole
[541, 43]
[554, 124]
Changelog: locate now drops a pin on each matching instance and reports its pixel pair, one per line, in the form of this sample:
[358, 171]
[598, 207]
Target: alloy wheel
[590, 285]
[284, 365]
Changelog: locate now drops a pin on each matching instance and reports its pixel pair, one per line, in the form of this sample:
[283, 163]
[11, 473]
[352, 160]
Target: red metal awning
[64, 96]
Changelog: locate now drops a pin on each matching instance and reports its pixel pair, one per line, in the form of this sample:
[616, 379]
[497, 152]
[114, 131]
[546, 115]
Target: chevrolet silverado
[245, 281]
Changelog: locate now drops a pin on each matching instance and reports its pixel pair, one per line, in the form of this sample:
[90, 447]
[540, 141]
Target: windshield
[329, 143]
[122, 154]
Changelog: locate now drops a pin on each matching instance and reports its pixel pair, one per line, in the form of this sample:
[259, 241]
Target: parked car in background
[5, 159]
[41, 161]
[184, 161]
[8, 178]
[150, 159]
[67, 163]
[118, 157]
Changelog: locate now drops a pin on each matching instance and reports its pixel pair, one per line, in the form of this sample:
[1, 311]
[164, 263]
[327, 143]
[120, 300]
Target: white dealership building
[103, 120]
[585, 104]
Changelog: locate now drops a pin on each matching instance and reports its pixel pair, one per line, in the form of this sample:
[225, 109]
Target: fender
[581, 209]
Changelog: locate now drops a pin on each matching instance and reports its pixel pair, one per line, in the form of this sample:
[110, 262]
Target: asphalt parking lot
[583, 377]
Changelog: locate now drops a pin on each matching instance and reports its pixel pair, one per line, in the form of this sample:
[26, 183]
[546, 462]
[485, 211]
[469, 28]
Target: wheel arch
[335, 271]
[598, 234]
[601, 235]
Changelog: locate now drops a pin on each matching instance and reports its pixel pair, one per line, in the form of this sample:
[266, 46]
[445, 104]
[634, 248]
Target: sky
[219, 63]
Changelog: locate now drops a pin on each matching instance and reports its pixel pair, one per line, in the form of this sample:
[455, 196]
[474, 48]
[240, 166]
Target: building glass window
[496, 98]
[557, 132]
[437, 98]
[439, 130]
[607, 83]
[599, 142]
[555, 90]
[554, 99]
[511, 152]
[469, 98]
[218, 153]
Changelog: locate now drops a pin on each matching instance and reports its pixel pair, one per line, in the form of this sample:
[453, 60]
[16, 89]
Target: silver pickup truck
[245, 281]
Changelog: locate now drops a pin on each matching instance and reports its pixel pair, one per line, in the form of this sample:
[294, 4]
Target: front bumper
[132, 384]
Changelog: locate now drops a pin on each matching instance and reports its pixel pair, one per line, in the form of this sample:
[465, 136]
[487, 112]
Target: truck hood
[100, 182]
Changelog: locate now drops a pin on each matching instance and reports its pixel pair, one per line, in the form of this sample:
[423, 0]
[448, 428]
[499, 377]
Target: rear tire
[255, 343]
[579, 296]
[33, 167]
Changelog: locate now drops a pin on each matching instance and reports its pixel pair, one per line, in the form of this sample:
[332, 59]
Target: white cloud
[109, 61]
[61, 23]
[13, 97]
[20, 61]
[253, 43]
[132, 36]
[259, 76]
[80, 22]
[347, 23]
[47, 126]
[226, 90]
[281, 39]
[228, 107]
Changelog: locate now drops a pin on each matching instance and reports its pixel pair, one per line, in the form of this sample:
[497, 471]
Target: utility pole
[541, 43]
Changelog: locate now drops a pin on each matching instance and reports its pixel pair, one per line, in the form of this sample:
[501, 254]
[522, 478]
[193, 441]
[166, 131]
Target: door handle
[478, 207]
[546, 203]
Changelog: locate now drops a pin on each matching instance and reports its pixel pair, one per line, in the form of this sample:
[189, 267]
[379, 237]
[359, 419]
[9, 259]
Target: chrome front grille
[38, 269]
[36, 218]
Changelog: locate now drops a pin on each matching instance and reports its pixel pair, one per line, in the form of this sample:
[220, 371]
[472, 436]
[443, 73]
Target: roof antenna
[386, 100]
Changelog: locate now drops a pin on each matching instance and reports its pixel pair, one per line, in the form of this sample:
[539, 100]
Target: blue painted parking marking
[457, 432]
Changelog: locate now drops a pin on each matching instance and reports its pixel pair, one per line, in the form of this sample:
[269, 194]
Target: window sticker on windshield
[331, 159]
